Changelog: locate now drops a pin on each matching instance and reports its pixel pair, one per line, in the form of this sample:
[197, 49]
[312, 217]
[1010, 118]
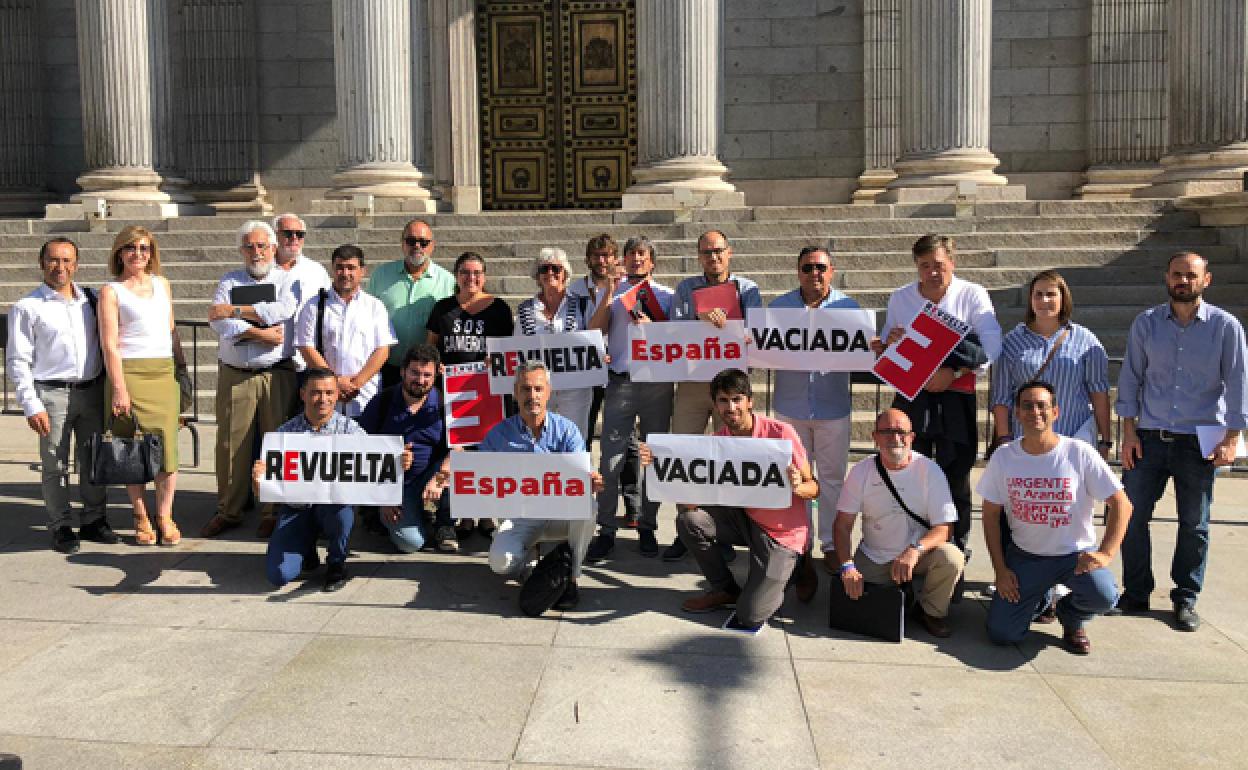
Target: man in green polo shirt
[408, 288]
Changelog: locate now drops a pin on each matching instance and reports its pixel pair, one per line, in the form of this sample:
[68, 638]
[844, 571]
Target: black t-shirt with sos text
[462, 334]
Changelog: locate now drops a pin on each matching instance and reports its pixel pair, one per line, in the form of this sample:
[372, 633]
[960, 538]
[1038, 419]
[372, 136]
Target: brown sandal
[169, 533]
[143, 532]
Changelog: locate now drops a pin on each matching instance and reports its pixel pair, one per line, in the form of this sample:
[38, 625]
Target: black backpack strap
[322, 295]
[888, 482]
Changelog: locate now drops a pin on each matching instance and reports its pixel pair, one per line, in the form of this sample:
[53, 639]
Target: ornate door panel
[558, 102]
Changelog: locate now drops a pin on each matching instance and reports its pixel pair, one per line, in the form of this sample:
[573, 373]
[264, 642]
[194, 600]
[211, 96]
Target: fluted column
[679, 107]
[127, 115]
[376, 99]
[22, 132]
[453, 101]
[881, 71]
[1208, 147]
[946, 64]
[1126, 97]
[218, 104]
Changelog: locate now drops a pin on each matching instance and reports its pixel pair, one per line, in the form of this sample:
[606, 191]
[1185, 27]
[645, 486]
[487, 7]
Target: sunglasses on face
[552, 269]
[413, 241]
[812, 267]
[294, 235]
[141, 248]
[898, 432]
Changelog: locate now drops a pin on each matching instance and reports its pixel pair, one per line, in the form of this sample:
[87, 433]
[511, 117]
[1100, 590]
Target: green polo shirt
[408, 302]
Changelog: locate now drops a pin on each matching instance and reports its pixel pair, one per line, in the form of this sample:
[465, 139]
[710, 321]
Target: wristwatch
[918, 546]
[238, 311]
[1104, 444]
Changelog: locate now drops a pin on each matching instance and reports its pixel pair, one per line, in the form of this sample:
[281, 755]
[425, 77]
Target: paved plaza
[184, 658]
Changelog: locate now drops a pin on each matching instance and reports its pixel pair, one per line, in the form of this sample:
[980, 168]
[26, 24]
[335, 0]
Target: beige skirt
[153, 402]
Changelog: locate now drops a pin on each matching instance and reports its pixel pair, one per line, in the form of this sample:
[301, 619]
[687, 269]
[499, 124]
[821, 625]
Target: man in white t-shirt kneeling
[1048, 486]
[895, 546]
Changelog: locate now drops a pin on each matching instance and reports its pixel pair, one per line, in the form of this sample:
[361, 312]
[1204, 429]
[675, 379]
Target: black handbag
[118, 460]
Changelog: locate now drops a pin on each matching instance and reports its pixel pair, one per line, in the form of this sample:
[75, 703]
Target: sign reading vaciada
[719, 470]
[811, 340]
[304, 468]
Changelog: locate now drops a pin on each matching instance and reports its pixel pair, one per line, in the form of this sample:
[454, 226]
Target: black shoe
[571, 597]
[730, 553]
[64, 540]
[646, 543]
[600, 548]
[1129, 606]
[1185, 617]
[336, 577]
[311, 562]
[674, 552]
[98, 531]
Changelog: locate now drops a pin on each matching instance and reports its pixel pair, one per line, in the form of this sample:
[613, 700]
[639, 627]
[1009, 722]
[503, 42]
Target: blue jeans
[1091, 594]
[294, 539]
[408, 534]
[1193, 475]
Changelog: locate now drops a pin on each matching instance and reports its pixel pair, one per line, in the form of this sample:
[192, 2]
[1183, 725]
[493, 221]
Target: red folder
[723, 296]
[641, 299]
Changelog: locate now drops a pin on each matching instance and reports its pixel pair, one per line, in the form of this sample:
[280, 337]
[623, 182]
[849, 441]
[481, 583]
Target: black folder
[880, 612]
[252, 293]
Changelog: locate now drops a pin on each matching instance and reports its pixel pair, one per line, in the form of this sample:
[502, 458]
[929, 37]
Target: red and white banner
[812, 339]
[679, 351]
[719, 470]
[347, 470]
[518, 485]
[574, 359]
[910, 362]
[470, 409]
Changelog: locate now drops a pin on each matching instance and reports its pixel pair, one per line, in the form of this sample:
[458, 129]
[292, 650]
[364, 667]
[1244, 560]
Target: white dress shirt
[51, 338]
[351, 331]
[303, 280]
[249, 354]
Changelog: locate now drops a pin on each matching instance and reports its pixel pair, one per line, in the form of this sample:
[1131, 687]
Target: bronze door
[558, 102]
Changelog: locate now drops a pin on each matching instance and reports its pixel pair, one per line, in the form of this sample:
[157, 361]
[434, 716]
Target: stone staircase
[1112, 253]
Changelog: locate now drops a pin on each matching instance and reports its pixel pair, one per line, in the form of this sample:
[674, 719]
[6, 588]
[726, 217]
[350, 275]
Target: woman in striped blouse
[1078, 369]
[554, 311]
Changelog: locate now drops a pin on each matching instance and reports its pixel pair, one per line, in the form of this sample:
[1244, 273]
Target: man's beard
[416, 391]
[414, 261]
[259, 270]
[895, 456]
[1185, 295]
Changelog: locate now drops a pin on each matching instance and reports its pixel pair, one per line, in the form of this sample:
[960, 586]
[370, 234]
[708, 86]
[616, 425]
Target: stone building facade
[170, 106]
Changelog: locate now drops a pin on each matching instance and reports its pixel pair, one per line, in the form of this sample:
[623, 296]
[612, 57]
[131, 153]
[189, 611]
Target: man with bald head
[904, 532]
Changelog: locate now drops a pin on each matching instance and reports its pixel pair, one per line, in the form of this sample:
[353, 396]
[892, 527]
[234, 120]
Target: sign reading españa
[517, 485]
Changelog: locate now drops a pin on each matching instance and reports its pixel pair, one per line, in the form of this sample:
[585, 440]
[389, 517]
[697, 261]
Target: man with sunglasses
[304, 278]
[817, 405]
[409, 288]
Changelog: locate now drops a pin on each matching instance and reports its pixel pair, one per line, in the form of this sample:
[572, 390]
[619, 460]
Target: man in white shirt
[347, 331]
[256, 381]
[54, 357]
[895, 544]
[944, 414]
[1048, 486]
[304, 278]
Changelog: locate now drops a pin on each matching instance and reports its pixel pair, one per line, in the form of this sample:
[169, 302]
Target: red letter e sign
[909, 363]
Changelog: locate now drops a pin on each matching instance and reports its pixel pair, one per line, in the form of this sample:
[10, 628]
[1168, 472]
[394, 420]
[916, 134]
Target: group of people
[305, 350]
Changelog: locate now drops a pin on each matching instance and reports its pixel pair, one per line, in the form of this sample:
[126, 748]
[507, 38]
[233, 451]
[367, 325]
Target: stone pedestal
[881, 118]
[22, 189]
[678, 107]
[1208, 147]
[946, 65]
[127, 115]
[1126, 97]
[376, 99]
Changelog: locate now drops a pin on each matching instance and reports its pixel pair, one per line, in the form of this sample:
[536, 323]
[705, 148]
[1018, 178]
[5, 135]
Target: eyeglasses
[712, 252]
[471, 273]
[552, 269]
[811, 267]
[141, 248]
[897, 432]
[1034, 406]
[256, 246]
[413, 241]
[294, 235]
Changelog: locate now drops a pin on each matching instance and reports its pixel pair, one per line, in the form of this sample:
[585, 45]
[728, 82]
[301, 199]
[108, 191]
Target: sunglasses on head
[553, 269]
[297, 234]
[811, 267]
[413, 241]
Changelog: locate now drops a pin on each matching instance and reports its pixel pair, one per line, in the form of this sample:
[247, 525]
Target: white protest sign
[911, 361]
[346, 470]
[521, 485]
[719, 470]
[680, 351]
[574, 359]
[811, 339]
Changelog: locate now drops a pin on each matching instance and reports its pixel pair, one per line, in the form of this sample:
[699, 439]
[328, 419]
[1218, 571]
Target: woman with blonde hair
[137, 337]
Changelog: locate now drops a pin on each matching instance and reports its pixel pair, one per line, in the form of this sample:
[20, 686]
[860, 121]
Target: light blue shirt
[1177, 377]
[559, 435]
[812, 395]
[338, 425]
[1079, 368]
[682, 303]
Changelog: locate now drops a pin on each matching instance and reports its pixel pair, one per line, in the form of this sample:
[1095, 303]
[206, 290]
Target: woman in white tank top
[136, 334]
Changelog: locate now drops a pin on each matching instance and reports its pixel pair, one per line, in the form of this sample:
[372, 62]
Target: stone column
[218, 105]
[679, 107]
[22, 131]
[881, 70]
[127, 115]
[946, 64]
[376, 99]
[453, 99]
[1208, 147]
[1126, 97]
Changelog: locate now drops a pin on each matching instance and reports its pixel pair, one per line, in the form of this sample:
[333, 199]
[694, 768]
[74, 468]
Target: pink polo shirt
[787, 526]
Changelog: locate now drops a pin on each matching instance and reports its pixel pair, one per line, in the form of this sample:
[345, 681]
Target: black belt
[285, 363]
[69, 384]
[1165, 435]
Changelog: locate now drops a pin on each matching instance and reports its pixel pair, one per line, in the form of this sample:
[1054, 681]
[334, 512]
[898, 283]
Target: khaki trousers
[246, 402]
[940, 568]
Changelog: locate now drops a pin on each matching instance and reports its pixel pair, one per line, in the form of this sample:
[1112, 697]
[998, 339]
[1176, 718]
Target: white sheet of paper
[1210, 436]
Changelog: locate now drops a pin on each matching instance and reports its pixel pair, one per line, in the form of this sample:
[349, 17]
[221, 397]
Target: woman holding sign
[458, 327]
[554, 311]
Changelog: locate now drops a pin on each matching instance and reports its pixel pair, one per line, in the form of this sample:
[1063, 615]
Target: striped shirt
[573, 315]
[338, 425]
[1079, 368]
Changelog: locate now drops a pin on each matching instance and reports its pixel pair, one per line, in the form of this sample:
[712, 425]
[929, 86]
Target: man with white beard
[256, 376]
